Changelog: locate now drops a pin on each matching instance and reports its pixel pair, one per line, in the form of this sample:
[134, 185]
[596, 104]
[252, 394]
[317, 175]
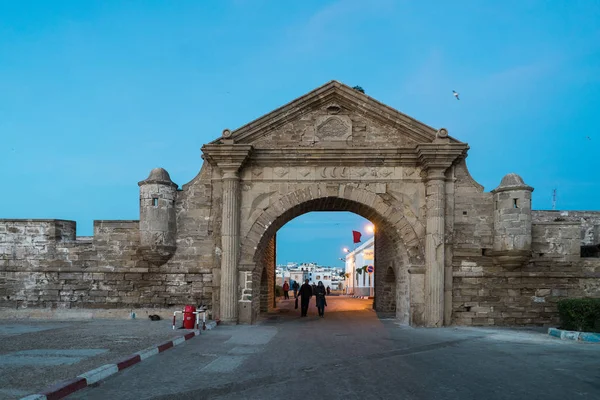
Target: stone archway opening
[389, 250]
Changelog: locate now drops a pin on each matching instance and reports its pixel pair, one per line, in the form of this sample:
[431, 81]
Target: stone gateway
[446, 252]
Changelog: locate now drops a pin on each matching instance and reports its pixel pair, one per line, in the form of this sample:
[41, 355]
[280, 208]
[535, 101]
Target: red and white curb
[65, 388]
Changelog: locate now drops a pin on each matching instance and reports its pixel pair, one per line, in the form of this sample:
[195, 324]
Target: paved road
[356, 355]
[36, 354]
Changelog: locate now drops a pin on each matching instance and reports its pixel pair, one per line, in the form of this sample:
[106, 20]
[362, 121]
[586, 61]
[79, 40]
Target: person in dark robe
[328, 290]
[295, 288]
[286, 289]
[320, 299]
[305, 295]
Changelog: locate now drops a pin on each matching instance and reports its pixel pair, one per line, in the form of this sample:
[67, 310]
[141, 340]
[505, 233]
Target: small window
[515, 203]
[155, 201]
[464, 213]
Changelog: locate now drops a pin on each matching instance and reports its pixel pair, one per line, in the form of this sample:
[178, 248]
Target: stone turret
[158, 227]
[512, 222]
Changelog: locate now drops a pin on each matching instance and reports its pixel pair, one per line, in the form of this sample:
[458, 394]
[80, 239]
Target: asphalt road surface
[358, 355]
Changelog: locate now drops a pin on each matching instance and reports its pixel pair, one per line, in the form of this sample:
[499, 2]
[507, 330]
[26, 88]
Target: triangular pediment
[333, 115]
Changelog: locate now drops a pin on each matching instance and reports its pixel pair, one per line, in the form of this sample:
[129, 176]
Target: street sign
[370, 269]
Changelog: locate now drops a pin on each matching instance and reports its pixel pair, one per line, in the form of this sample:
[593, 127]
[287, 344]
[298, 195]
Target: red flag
[356, 235]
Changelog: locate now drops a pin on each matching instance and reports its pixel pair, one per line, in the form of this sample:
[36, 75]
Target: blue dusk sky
[94, 94]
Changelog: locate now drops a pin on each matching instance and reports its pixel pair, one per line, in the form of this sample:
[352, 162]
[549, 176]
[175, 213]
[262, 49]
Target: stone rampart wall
[589, 220]
[488, 294]
[44, 265]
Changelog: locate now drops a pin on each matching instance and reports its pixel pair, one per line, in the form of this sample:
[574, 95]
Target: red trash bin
[189, 319]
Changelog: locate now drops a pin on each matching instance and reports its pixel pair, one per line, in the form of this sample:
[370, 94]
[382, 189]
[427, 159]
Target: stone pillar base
[245, 312]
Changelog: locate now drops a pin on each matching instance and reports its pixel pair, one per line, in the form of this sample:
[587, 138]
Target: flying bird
[455, 94]
[588, 138]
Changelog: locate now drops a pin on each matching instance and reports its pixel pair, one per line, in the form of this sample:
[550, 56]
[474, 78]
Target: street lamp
[370, 229]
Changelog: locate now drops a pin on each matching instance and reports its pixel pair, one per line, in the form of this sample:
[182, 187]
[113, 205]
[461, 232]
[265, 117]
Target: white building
[360, 268]
[313, 272]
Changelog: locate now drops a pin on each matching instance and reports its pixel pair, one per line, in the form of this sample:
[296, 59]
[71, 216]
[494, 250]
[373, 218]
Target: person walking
[295, 288]
[328, 291]
[286, 289]
[305, 295]
[320, 300]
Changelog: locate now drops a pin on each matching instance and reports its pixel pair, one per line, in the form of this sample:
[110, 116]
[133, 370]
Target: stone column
[230, 240]
[229, 157]
[434, 247]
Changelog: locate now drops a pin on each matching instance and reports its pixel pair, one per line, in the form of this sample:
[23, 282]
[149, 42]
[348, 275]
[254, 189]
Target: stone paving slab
[35, 354]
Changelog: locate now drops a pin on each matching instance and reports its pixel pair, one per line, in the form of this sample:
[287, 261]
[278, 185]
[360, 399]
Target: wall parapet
[588, 220]
[39, 230]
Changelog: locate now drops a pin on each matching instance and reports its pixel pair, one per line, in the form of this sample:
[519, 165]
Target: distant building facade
[292, 272]
[360, 270]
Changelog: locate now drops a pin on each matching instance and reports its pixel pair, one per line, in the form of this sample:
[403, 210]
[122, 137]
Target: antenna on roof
[554, 199]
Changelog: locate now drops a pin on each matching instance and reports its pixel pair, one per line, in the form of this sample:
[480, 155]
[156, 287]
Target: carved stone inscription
[333, 128]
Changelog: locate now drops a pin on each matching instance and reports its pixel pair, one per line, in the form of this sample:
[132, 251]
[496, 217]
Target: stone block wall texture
[44, 265]
[487, 294]
[269, 263]
[589, 220]
[386, 273]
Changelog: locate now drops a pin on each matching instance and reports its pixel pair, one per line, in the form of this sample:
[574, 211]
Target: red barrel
[189, 319]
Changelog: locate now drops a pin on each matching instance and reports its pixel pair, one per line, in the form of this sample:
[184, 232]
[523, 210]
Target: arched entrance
[335, 149]
[390, 249]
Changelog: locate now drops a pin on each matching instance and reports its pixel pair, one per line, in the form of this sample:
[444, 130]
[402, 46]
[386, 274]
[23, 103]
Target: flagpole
[354, 268]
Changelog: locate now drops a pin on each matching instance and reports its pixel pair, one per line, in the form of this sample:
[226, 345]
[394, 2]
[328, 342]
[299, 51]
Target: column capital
[229, 158]
[436, 174]
[438, 157]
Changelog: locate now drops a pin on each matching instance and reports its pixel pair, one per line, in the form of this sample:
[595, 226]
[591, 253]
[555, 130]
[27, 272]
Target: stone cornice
[228, 157]
[440, 155]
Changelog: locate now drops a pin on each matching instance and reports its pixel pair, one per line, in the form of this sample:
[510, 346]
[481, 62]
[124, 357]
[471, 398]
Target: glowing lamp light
[370, 228]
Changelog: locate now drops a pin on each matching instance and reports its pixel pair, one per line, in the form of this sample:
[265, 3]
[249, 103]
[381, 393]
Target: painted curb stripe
[100, 373]
[589, 337]
[152, 351]
[575, 335]
[64, 388]
[165, 346]
[190, 335]
[129, 361]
